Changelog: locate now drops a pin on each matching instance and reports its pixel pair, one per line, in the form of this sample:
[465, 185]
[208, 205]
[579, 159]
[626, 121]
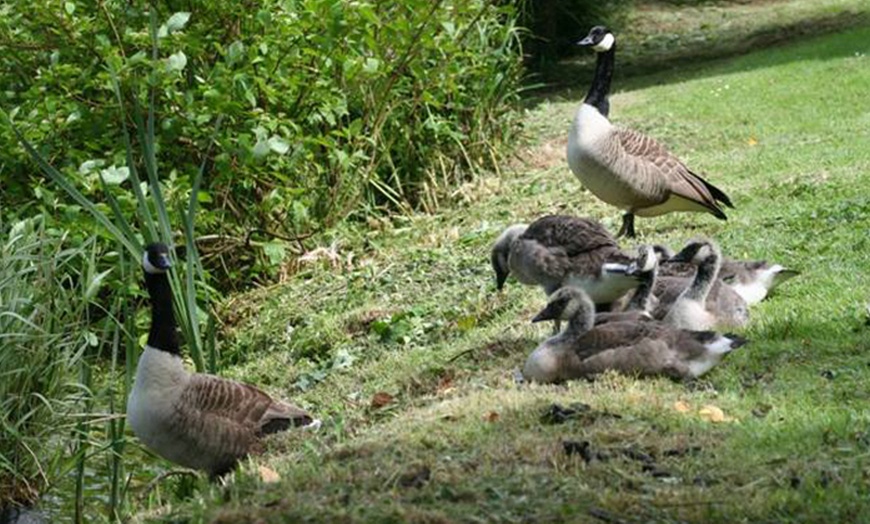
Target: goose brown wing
[647, 356]
[616, 334]
[226, 418]
[643, 154]
[574, 235]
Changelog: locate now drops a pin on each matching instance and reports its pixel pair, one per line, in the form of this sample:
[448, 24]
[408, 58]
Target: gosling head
[600, 39]
[156, 259]
[647, 261]
[663, 252]
[501, 253]
[697, 251]
[566, 303]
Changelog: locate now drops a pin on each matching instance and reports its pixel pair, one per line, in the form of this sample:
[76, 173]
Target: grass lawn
[408, 350]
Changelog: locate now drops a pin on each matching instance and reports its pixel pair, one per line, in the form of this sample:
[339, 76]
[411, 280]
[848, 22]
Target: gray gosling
[623, 167]
[195, 420]
[641, 348]
[687, 303]
[754, 280]
[557, 250]
[641, 303]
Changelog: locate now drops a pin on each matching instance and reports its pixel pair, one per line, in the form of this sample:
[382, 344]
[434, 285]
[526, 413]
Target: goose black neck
[704, 277]
[162, 334]
[600, 88]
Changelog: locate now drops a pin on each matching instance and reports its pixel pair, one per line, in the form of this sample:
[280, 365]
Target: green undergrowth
[395, 336]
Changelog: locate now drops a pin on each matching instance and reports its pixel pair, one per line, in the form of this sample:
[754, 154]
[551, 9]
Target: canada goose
[754, 279]
[687, 303]
[626, 168]
[196, 420]
[751, 279]
[644, 348]
[557, 250]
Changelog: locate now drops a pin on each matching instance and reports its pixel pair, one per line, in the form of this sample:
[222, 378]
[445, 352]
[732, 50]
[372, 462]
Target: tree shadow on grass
[805, 40]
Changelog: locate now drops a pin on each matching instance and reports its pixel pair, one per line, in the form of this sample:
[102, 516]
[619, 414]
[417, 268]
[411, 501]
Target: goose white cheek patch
[148, 266]
[314, 425]
[605, 44]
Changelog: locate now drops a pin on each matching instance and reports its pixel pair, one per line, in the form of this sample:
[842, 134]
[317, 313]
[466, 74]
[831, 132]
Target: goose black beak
[588, 41]
[163, 261]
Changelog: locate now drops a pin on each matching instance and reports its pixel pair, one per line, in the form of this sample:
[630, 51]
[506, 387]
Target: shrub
[331, 108]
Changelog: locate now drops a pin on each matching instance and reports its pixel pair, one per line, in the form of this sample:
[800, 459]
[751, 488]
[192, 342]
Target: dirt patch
[549, 155]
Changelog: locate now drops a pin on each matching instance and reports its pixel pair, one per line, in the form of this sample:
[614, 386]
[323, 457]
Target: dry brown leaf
[381, 399]
[713, 414]
[445, 386]
[492, 416]
[268, 475]
[682, 406]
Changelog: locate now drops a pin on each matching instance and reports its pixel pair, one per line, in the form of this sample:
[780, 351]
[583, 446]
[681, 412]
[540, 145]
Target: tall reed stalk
[152, 222]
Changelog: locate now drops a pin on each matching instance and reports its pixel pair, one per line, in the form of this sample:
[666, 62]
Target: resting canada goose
[625, 168]
[754, 279]
[557, 250]
[688, 304]
[751, 279]
[196, 420]
[644, 348]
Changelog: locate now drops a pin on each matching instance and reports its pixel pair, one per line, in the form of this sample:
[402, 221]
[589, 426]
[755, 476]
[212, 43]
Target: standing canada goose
[626, 168]
[196, 420]
[644, 348]
[687, 303]
[557, 250]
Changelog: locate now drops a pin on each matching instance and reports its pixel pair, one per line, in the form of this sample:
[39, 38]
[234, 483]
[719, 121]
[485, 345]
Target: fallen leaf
[752, 141]
[492, 416]
[445, 386]
[381, 399]
[682, 406]
[268, 475]
[713, 414]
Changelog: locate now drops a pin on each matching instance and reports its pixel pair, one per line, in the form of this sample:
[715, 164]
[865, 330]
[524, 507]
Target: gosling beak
[548, 313]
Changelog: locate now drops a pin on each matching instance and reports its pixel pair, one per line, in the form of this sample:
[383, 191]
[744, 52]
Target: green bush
[331, 108]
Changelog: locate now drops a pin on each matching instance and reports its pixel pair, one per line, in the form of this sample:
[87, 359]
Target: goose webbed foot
[627, 228]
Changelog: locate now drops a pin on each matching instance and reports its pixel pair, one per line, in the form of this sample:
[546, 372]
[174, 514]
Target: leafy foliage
[329, 110]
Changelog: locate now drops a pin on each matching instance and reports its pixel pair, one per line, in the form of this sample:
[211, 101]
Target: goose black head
[599, 39]
[565, 303]
[156, 259]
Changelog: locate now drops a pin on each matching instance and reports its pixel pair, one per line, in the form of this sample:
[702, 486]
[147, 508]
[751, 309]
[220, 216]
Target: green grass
[408, 308]
[656, 36]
